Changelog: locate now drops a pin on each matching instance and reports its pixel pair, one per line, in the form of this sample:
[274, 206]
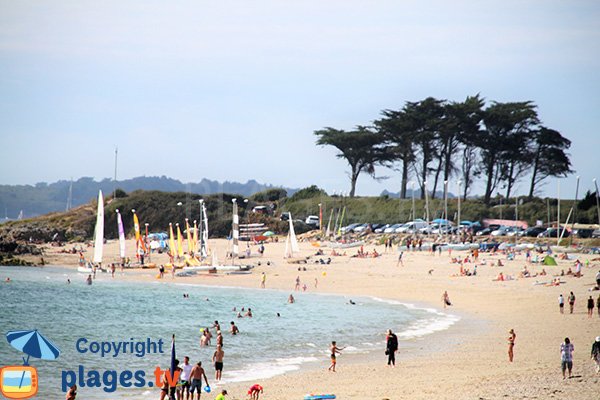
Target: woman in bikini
[511, 344]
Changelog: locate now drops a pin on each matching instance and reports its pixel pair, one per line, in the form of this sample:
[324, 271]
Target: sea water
[120, 311]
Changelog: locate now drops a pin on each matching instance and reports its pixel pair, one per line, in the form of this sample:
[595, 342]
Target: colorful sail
[172, 248]
[179, 242]
[121, 235]
[140, 246]
[99, 231]
[328, 231]
[341, 222]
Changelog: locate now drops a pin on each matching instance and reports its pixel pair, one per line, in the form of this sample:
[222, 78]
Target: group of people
[571, 299]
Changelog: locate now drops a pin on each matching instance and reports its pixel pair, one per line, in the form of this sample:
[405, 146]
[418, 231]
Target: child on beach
[334, 351]
[255, 391]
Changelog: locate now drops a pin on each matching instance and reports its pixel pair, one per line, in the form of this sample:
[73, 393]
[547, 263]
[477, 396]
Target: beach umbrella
[268, 233]
[33, 344]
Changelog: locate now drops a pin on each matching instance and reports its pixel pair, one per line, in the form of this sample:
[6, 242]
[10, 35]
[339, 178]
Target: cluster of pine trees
[432, 141]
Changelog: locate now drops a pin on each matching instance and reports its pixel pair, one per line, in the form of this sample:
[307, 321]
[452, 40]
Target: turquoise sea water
[115, 311]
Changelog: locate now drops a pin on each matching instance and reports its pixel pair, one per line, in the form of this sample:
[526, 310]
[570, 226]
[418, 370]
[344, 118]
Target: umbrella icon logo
[21, 382]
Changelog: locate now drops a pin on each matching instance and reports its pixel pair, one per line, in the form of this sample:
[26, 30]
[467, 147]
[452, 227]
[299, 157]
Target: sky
[233, 90]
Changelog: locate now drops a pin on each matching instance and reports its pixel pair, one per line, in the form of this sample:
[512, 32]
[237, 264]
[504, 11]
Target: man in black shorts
[196, 380]
[218, 360]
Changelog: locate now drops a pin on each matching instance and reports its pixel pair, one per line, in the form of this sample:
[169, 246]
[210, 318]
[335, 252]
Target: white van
[312, 220]
[412, 227]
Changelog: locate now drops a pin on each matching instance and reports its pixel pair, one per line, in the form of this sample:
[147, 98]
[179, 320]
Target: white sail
[203, 226]
[235, 231]
[99, 232]
[291, 243]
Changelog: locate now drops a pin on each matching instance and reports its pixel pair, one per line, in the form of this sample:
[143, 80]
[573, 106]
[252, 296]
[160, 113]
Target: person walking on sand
[566, 356]
[334, 351]
[400, 262]
[446, 299]
[561, 303]
[297, 287]
[196, 380]
[391, 348]
[590, 307]
[511, 344]
[263, 280]
[571, 302]
[186, 370]
[596, 353]
[217, 358]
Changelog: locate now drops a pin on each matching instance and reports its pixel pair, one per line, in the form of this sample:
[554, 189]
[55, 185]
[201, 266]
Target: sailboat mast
[115, 181]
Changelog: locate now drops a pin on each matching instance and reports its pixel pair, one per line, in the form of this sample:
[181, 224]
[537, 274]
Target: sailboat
[292, 250]
[215, 267]
[98, 236]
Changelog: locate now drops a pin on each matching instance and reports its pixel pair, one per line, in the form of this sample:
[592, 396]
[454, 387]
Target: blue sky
[233, 90]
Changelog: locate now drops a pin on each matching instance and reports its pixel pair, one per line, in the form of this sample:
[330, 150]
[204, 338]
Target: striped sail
[99, 232]
[121, 235]
[236, 230]
[204, 229]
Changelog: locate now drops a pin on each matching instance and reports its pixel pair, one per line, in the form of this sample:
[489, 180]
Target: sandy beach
[467, 361]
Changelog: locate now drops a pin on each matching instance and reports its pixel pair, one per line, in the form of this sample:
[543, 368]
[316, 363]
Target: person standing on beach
[561, 303]
[297, 287]
[566, 356]
[511, 344]
[598, 305]
[334, 351]
[196, 380]
[590, 307]
[598, 279]
[571, 302]
[596, 353]
[184, 387]
[446, 299]
[263, 280]
[218, 360]
[391, 348]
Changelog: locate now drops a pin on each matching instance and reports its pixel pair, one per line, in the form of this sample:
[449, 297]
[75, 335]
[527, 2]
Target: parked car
[312, 220]
[360, 228]
[583, 233]
[412, 227]
[484, 232]
[596, 234]
[382, 228]
[392, 228]
[284, 216]
[501, 231]
[532, 231]
[514, 231]
[554, 233]
[349, 228]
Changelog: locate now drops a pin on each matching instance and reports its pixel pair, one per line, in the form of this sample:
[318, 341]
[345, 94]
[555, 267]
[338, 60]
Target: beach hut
[549, 260]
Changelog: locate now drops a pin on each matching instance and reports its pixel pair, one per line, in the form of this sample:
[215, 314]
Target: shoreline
[468, 359]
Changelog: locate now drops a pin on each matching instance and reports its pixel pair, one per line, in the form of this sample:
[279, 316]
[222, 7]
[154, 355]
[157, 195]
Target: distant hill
[43, 198]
